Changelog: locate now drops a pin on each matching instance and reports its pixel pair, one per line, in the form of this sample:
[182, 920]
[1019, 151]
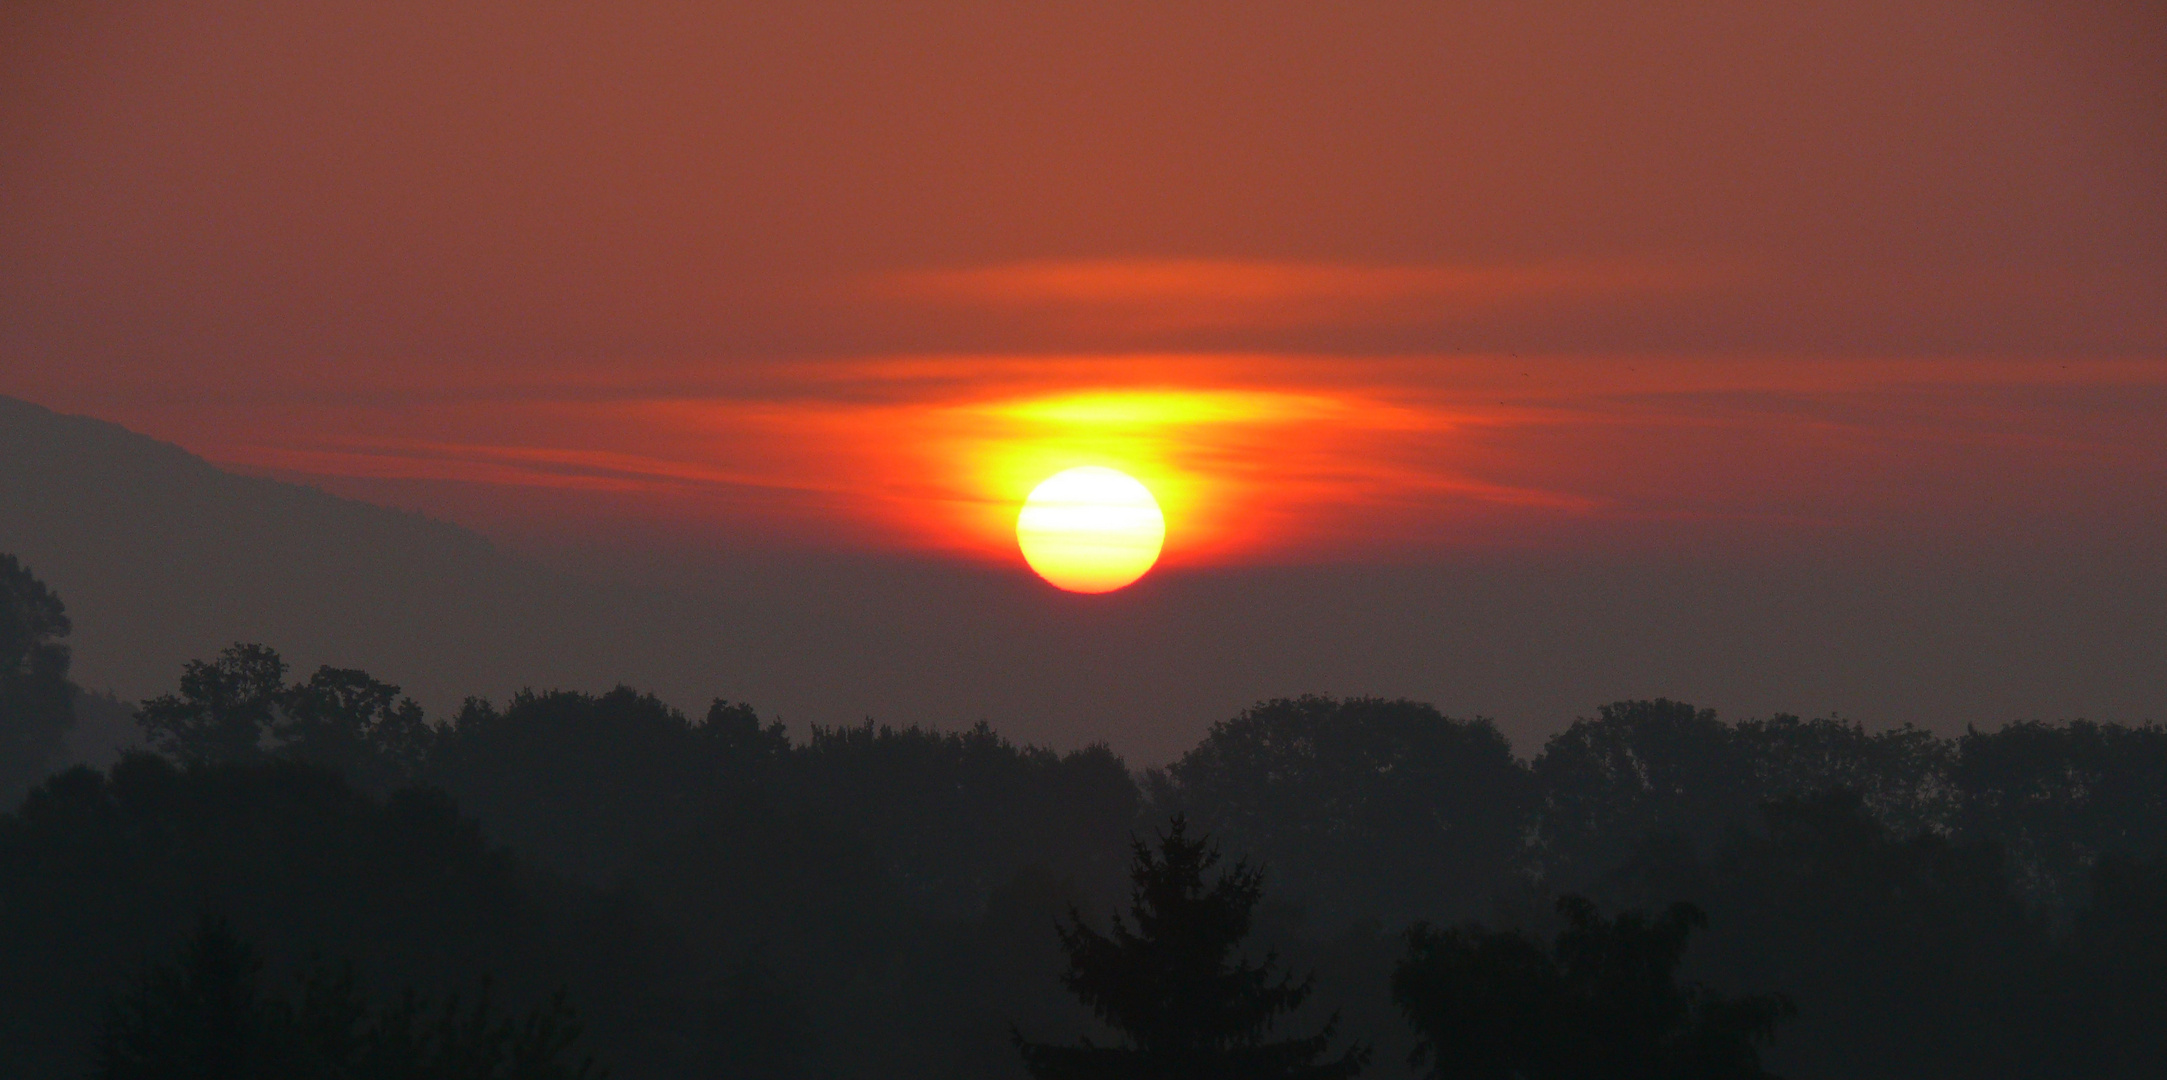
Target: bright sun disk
[1091, 529]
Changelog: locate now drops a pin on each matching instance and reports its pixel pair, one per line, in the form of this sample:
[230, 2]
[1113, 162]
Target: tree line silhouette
[717, 898]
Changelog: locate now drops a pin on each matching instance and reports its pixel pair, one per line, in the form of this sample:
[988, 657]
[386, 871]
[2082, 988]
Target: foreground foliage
[1605, 1000]
[209, 1016]
[723, 899]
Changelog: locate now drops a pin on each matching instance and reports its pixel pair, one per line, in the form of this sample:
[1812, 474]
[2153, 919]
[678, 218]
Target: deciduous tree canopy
[870, 901]
[1605, 1000]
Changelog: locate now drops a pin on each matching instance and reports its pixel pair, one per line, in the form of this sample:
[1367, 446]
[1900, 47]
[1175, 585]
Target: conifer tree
[1169, 980]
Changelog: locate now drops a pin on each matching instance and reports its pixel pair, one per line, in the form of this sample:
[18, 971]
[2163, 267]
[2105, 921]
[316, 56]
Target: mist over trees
[713, 897]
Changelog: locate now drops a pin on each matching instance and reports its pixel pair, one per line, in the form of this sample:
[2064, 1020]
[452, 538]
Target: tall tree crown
[1169, 980]
[36, 698]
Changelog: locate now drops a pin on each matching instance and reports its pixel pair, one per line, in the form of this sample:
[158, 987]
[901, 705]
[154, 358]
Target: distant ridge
[162, 557]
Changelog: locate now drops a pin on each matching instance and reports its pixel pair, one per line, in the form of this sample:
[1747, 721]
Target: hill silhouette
[163, 557]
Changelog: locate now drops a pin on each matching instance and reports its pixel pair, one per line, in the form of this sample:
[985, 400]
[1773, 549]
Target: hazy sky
[1349, 285]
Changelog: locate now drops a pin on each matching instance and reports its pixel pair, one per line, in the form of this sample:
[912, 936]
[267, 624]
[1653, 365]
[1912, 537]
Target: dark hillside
[163, 557]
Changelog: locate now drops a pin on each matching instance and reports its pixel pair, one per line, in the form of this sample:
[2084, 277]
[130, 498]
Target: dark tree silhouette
[238, 708]
[203, 1018]
[1901, 775]
[356, 724]
[224, 708]
[2060, 797]
[735, 727]
[36, 699]
[1640, 767]
[588, 782]
[1900, 948]
[1994, 904]
[959, 812]
[1664, 768]
[2116, 1025]
[1495, 1005]
[1364, 807]
[1188, 1007]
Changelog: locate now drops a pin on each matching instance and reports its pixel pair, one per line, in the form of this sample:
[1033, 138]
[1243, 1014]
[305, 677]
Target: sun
[1091, 529]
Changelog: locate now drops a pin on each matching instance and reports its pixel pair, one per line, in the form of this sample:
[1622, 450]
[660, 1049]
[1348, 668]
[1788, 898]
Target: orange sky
[1278, 458]
[1341, 286]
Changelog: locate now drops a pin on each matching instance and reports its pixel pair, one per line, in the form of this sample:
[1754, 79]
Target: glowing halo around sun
[1091, 529]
